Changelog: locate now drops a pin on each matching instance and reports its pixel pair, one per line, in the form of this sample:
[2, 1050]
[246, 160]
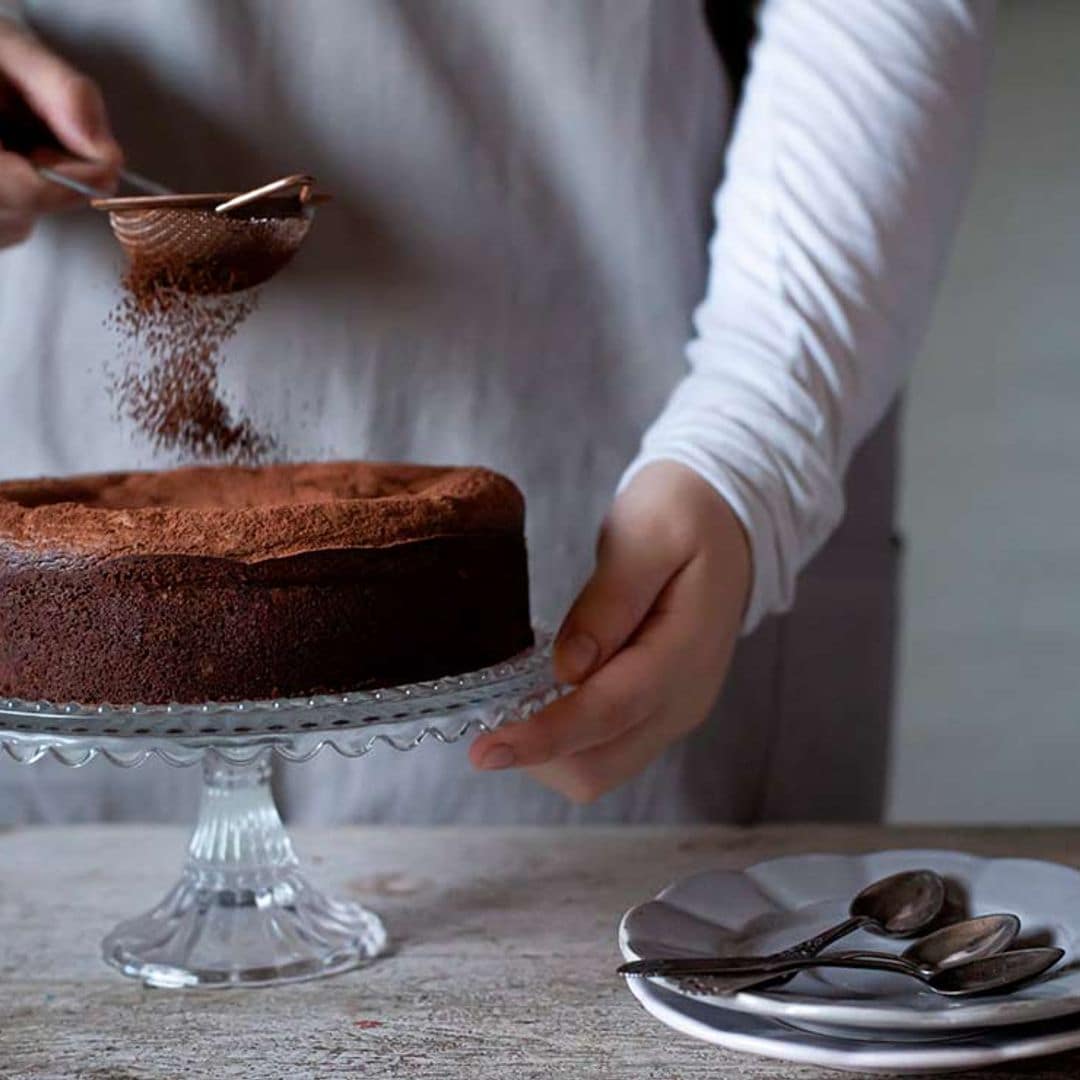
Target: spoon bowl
[988, 974]
[902, 904]
[972, 939]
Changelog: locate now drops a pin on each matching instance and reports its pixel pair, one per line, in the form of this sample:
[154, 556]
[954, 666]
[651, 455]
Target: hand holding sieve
[207, 243]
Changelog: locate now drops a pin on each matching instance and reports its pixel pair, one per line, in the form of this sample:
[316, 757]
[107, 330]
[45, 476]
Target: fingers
[69, 102]
[604, 707]
[14, 229]
[633, 566]
[616, 699]
[25, 193]
[650, 694]
[661, 614]
[584, 777]
[72, 107]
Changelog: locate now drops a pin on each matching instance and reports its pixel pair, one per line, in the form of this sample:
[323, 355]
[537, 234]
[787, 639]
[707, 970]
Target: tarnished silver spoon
[982, 975]
[971, 939]
[896, 906]
[958, 943]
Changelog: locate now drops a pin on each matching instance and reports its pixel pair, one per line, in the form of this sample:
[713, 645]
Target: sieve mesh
[208, 252]
[204, 251]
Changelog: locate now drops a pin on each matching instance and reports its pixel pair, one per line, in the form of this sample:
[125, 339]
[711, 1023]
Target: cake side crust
[191, 629]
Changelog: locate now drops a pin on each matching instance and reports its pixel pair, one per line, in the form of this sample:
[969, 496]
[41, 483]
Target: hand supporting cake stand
[243, 913]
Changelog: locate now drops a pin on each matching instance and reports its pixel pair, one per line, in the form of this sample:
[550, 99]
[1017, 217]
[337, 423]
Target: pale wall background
[989, 710]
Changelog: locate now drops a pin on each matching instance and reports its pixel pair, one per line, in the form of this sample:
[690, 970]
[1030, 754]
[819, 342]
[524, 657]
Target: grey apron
[506, 277]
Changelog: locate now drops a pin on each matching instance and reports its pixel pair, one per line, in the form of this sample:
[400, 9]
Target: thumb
[632, 568]
[70, 103]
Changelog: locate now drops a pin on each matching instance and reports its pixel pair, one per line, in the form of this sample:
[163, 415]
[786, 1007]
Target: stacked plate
[861, 1020]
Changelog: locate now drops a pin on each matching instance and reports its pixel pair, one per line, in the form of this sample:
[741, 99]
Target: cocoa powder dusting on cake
[222, 583]
[176, 319]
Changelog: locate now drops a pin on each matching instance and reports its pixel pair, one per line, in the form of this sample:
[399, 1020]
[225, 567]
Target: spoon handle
[766, 967]
[750, 965]
[68, 182]
[812, 946]
[745, 972]
[144, 183]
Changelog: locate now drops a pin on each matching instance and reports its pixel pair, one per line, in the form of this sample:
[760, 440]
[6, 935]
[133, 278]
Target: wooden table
[504, 968]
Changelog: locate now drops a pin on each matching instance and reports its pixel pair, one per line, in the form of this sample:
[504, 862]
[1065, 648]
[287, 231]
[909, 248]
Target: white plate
[774, 1039]
[778, 903]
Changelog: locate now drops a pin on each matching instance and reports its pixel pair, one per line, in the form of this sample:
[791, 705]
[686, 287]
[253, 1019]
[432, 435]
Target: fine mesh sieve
[200, 243]
[214, 243]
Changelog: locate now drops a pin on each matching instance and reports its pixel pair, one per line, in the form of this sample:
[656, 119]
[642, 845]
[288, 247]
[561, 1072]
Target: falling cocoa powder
[175, 320]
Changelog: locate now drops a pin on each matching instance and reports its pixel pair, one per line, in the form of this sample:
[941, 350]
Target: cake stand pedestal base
[242, 913]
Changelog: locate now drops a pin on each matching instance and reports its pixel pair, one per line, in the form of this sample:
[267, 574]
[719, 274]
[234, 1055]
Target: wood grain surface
[504, 965]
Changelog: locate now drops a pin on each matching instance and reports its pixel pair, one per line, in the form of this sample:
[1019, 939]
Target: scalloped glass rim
[527, 671]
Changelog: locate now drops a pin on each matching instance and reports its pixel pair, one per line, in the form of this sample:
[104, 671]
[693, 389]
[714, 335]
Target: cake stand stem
[242, 913]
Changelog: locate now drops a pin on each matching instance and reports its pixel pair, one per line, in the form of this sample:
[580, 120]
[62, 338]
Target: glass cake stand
[243, 913]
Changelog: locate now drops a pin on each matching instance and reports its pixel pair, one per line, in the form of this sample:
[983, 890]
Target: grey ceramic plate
[775, 904]
[775, 1039]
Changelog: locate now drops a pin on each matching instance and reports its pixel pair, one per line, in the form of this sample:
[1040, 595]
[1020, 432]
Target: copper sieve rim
[204, 201]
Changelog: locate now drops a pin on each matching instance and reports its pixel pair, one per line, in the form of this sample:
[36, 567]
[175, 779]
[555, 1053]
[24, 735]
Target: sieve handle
[73, 185]
[301, 182]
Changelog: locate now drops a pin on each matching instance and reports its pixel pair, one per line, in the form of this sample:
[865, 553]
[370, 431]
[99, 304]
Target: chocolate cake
[229, 583]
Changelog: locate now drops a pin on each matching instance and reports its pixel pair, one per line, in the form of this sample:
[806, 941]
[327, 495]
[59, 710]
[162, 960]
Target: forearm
[843, 185]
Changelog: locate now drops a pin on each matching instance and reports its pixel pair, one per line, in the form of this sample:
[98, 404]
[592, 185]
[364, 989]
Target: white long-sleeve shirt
[507, 277]
[844, 178]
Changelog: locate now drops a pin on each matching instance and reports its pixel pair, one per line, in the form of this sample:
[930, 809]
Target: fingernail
[499, 756]
[578, 653]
